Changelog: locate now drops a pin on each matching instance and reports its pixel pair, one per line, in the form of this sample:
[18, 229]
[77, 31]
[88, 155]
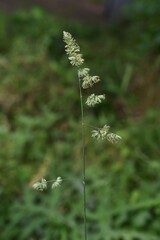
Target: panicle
[113, 138]
[73, 50]
[89, 81]
[82, 72]
[93, 99]
[56, 183]
[103, 133]
[40, 186]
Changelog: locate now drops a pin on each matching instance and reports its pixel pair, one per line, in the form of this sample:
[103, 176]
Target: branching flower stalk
[85, 81]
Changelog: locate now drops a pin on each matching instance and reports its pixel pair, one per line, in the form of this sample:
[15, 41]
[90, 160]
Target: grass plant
[85, 81]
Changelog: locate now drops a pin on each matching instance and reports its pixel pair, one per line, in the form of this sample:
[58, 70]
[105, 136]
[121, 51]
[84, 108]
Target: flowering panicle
[94, 99]
[103, 133]
[82, 72]
[89, 81]
[56, 183]
[73, 50]
[40, 186]
[113, 138]
[75, 57]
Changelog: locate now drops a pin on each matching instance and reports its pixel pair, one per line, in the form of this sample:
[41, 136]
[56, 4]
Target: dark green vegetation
[40, 128]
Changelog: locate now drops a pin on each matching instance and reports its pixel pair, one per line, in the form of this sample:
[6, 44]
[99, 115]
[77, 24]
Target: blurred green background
[40, 133]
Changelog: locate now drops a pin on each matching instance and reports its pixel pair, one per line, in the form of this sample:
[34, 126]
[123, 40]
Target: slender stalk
[83, 159]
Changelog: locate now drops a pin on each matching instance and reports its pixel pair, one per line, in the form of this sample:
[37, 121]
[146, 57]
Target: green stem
[83, 159]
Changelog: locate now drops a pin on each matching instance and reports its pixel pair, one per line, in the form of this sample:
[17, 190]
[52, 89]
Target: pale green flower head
[103, 134]
[73, 50]
[93, 99]
[56, 183]
[40, 186]
[113, 138]
[89, 81]
[82, 72]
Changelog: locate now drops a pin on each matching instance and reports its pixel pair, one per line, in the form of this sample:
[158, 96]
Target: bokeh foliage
[40, 128]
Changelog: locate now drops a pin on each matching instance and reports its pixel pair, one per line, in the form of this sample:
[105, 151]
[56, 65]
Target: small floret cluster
[41, 186]
[93, 99]
[73, 50]
[103, 133]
